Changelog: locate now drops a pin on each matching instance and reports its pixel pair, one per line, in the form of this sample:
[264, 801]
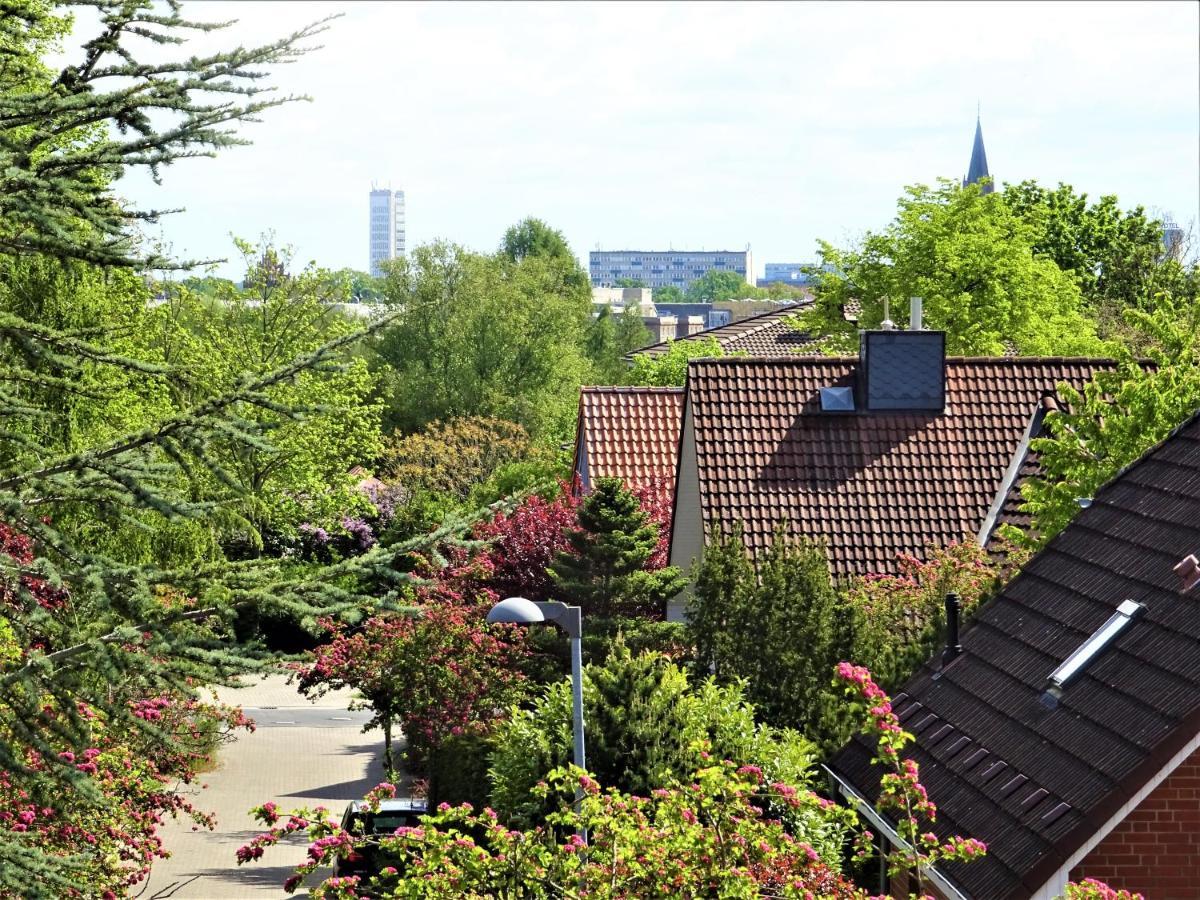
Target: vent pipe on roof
[914, 314]
[953, 646]
[887, 324]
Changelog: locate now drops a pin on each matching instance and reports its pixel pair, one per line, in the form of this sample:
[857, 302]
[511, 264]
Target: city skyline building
[387, 231]
[666, 268]
[787, 273]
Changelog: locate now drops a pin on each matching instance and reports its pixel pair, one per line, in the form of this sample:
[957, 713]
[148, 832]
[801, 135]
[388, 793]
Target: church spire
[978, 167]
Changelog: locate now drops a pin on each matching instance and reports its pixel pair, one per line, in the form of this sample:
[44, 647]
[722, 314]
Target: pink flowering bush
[704, 838]
[718, 833]
[1091, 889]
[437, 673]
[128, 783]
[900, 790]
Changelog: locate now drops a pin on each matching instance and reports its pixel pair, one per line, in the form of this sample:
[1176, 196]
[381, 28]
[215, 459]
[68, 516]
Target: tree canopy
[974, 263]
[477, 335]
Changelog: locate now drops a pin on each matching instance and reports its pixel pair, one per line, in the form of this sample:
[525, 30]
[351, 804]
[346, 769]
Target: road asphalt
[301, 754]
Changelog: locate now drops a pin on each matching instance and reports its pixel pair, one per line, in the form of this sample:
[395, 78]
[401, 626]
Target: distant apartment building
[1172, 237]
[667, 268]
[787, 273]
[791, 274]
[387, 227]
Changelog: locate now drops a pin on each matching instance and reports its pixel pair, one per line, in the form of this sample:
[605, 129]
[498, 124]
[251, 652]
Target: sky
[684, 125]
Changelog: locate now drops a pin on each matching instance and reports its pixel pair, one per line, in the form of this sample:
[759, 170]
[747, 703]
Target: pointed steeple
[979, 167]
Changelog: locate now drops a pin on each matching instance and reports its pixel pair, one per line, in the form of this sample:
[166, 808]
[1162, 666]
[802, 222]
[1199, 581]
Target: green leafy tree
[94, 423]
[630, 283]
[669, 369]
[1117, 256]
[533, 237]
[605, 569]
[481, 335]
[780, 626]
[973, 262]
[715, 285]
[668, 293]
[1120, 415]
[332, 425]
[360, 287]
[610, 337]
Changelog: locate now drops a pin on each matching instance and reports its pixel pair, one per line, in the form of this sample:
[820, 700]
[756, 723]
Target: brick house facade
[1156, 849]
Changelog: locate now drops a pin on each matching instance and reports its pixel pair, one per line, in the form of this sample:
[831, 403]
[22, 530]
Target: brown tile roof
[1036, 783]
[871, 485]
[631, 433]
[767, 334]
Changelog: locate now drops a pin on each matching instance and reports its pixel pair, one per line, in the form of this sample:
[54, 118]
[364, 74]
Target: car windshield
[387, 822]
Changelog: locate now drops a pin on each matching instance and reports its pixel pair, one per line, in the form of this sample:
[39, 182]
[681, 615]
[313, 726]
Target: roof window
[1125, 615]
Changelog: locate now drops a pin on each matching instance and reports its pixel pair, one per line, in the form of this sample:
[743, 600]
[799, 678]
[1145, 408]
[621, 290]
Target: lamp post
[519, 611]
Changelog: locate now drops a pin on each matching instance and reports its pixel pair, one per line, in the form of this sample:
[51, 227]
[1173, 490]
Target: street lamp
[519, 611]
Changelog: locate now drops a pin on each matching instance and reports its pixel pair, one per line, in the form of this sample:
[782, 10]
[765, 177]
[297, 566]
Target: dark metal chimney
[953, 647]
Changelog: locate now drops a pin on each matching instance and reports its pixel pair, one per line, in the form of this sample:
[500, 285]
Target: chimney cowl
[953, 644]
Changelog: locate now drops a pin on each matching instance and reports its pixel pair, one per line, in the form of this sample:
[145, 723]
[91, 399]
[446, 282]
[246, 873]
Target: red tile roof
[630, 433]
[1033, 781]
[871, 485]
[767, 335]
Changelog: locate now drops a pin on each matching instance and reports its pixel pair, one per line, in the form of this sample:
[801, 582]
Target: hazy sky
[694, 125]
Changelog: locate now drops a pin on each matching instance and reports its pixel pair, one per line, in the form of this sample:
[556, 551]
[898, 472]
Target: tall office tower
[387, 227]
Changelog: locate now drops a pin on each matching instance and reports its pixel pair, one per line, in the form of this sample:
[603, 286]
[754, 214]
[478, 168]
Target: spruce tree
[780, 626]
[604, 569]
[65, 138]
[114, 631]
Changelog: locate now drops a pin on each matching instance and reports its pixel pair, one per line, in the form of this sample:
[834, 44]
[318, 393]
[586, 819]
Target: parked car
[368, 859]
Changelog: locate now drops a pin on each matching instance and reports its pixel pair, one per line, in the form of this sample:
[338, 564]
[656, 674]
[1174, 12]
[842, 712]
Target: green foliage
[481, 335]
[454, 457]
[898, 621]
[669, 369]
[360, 287]
[1120, 415]
[781, 628]
[605, 568]
[973, 261]
[458, 770]
[610, 338]
[323, 424]
[646, 726]
[668, 293]
[65, 137]
[714, 286]
[1118, 257]
[533, 237]
[632, 283]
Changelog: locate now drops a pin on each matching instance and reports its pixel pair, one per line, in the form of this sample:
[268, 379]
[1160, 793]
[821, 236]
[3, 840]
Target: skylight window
[1125, 615]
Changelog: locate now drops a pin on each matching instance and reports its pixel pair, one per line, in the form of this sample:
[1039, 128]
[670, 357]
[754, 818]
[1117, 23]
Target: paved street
[301, 754]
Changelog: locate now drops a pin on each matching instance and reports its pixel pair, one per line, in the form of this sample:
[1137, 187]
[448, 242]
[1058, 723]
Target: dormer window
[1125, 615]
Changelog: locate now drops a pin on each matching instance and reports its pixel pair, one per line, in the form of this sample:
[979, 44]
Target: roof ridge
[630, 389]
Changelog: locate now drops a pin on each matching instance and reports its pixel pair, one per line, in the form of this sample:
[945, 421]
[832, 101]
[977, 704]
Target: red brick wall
[1156, 849]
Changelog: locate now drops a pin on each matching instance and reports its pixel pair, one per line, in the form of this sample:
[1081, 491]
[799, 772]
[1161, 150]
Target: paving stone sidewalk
[302, 754]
